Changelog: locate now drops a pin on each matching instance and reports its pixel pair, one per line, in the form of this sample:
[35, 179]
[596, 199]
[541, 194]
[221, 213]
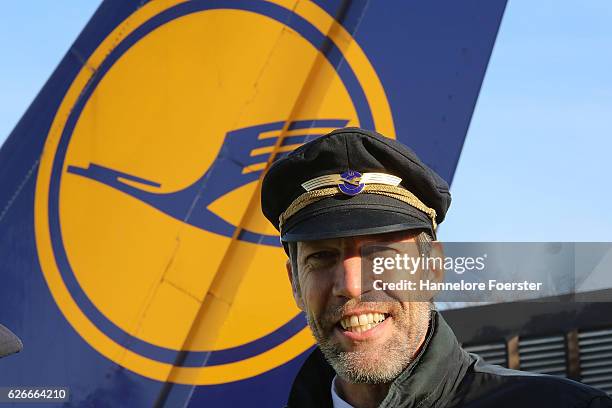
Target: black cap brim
[345, 216]
[9, 342]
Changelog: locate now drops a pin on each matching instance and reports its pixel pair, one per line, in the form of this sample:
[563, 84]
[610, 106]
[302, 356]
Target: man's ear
[297, 294]
[433, 271]
[437, 271]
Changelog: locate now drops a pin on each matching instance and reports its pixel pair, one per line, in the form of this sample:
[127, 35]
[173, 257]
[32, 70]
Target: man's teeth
[362, 322]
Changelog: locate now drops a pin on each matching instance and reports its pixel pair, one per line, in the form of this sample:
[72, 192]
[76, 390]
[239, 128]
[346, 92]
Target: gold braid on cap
[399, 193]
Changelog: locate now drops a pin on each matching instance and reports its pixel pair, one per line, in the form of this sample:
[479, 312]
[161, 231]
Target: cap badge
[350, 183]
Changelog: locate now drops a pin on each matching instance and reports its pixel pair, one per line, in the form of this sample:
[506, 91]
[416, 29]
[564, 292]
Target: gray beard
[359, 366]
[379, 367]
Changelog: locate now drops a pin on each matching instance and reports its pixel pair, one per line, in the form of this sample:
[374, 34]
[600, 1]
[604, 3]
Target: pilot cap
[9, 343]
[352, 182]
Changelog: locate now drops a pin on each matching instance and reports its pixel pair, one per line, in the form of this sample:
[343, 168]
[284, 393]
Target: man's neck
[362, 395]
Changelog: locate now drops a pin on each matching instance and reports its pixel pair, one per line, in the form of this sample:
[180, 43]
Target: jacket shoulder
[491, 385]
[312, 385]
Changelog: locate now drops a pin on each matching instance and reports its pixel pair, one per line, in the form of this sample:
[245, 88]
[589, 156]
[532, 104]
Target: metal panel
[494, 353]
[596, 358]
[544, 355]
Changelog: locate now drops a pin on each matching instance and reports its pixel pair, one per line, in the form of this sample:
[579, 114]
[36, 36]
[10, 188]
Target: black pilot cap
[351, 152]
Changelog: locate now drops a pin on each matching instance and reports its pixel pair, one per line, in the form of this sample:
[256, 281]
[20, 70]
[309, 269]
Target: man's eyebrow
[387, 245]
[400, 247]
[381, 246]
[335, 242]
[309, 247]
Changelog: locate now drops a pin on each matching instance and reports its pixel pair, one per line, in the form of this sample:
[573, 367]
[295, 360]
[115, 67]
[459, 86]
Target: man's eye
[323, 255]
[321, 258]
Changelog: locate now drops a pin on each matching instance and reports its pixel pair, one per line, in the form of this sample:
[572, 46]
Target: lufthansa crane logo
[148, 226]
[244, 146]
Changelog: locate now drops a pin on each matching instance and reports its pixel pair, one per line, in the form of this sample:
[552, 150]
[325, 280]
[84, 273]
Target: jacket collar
[430, 380]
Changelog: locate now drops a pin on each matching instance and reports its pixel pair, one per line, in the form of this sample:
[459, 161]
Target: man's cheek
[323, 325]
[315, 327]
[311, 303]
[320, 323]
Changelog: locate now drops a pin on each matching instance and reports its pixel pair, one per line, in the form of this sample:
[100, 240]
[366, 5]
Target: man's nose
[348, 278]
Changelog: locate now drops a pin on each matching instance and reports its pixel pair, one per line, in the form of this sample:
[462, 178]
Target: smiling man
[333, 200]
[368, 343]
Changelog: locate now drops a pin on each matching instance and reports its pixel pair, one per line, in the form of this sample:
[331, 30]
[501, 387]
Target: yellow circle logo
[147, 214]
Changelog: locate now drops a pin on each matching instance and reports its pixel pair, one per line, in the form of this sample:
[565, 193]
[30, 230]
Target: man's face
[364, 341]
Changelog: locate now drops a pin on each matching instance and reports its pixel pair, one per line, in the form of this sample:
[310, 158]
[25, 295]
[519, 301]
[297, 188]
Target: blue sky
[34, 36]
[536, 162]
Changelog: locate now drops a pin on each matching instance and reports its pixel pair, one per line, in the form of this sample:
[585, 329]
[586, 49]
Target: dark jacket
[445, 375]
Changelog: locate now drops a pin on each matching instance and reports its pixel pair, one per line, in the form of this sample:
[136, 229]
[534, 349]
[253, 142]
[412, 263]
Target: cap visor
[345, 216]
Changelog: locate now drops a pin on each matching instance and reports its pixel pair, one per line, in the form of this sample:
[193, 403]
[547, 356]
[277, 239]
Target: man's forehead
[390, 237]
